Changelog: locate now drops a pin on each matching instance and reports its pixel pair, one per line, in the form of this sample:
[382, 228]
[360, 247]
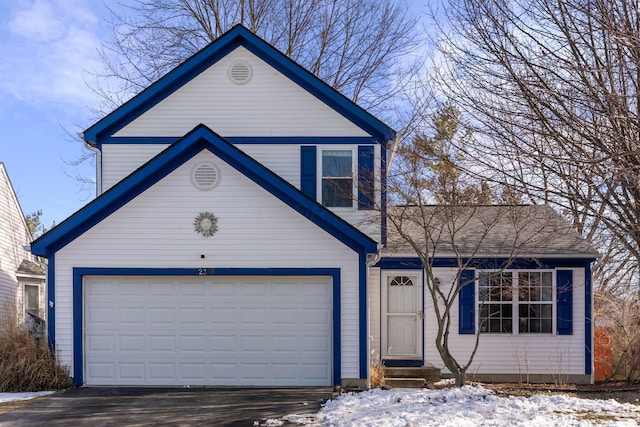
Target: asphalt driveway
[97, 407]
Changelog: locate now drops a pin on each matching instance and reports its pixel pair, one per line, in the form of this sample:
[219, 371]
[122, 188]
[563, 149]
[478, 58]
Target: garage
[179, 331]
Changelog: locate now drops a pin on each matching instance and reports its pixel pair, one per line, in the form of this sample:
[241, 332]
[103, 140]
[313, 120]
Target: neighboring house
[234, 235]
[22, 277]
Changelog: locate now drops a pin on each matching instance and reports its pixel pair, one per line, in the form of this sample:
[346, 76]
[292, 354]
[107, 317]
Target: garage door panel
[208, 331]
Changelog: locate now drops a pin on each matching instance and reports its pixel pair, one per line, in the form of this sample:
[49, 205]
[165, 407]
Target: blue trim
[383, 193]
[366, 180]
[196, 64]
[295, 140]
[408, 363]
[467, 303]
[79, 273]
[564, 302]
[51, 298]
[401, 263]
[363, 337]
[588, 320]
[309, 171]
[200, 138]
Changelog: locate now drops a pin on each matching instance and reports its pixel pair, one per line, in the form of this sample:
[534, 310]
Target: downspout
[372, 259]
[91, 147]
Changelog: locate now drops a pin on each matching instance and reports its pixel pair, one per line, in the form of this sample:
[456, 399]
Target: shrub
[27, 363]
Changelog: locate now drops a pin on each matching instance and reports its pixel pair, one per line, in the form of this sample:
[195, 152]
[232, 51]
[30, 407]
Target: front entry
[402, 315]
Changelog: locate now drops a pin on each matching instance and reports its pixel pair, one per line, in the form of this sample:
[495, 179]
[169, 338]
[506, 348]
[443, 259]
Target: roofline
[200, 138]
[15, 198]
[209, 55]
[498, 255]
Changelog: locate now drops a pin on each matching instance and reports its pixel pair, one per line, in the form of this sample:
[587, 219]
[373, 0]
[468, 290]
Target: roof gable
[201, 61]
[170, 159]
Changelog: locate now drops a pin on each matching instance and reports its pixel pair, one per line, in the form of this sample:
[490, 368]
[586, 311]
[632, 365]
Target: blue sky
[48, 49]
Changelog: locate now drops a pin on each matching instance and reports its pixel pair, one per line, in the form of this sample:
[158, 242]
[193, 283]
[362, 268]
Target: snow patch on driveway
[12, 397]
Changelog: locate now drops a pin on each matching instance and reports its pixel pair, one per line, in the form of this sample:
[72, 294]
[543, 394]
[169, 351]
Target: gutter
[92, 147]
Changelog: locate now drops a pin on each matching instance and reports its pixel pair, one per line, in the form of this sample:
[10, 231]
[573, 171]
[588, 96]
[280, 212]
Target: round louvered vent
[205, 176]
[240, 73]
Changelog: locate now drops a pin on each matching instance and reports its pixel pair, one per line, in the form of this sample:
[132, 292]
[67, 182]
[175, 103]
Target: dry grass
[376, 372]
[25, 363]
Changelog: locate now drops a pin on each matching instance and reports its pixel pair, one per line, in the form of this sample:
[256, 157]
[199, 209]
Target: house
[235, 239]
[22, 277]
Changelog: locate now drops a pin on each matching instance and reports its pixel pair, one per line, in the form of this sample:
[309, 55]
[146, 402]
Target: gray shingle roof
[534, 231]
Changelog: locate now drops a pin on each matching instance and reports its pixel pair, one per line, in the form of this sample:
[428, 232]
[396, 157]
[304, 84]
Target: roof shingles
[484, 231]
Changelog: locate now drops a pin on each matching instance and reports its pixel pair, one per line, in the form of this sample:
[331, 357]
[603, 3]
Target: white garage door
[208, 331]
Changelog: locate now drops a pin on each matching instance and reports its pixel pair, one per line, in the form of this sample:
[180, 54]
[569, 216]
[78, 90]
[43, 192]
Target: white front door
[402, 315]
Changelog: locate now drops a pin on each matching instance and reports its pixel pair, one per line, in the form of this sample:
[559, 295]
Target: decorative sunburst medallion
[206, 224]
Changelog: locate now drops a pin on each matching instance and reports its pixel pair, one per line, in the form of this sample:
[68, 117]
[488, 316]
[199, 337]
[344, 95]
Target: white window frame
[354, 174]
[515, 302]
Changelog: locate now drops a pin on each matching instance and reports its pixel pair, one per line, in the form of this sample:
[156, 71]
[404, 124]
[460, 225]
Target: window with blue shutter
[467, 303]
[308, 171]
[564, 302]
[366, 182]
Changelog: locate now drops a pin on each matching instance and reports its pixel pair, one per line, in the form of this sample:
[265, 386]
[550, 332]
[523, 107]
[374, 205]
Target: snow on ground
[11, 397]
[466, 406]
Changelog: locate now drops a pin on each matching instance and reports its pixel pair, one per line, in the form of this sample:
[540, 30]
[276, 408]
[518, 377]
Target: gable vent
[240, 73]
[205, 176]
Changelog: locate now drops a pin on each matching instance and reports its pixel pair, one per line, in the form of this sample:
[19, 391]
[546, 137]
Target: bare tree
[461, 226]
[551, 89]
[355, 46]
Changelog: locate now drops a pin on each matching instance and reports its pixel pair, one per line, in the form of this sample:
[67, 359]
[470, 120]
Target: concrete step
[405, 382]
[428, 373]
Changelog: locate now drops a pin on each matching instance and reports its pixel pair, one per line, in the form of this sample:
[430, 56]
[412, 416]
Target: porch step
[427, 373]
[405, 382]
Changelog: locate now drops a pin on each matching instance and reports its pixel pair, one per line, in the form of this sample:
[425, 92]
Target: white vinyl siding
[373, 291]
[119, 160]
[268, 105]
[255, 230]
[550, 354]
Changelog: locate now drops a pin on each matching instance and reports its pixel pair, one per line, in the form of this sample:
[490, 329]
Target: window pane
[535, 318]
[336, 163]
[495, 294]
[31, 300]
[507, 326]
[337, 192]
[546, 278]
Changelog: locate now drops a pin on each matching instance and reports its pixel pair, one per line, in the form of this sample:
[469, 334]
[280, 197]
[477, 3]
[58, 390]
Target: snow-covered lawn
[12, 397]
[466, 406]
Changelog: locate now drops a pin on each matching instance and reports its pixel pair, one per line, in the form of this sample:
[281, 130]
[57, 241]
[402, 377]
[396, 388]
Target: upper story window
[511, 300]
[337, 178]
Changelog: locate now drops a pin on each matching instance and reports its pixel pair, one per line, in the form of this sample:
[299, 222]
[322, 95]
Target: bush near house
[26, 363]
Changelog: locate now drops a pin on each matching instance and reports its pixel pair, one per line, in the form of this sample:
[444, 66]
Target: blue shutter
[366, 183]
[564, 302]
[308, 171]
[467, 303]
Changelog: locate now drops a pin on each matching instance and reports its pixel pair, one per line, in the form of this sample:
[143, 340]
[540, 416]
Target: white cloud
[37, 22]
[48, 45]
